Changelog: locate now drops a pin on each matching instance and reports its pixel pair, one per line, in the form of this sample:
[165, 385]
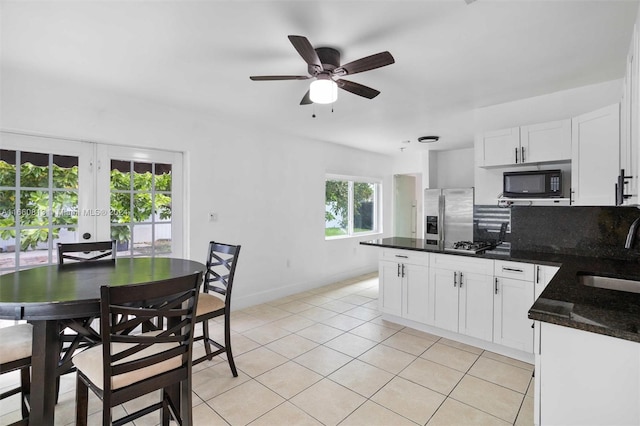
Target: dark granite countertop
[565, 301]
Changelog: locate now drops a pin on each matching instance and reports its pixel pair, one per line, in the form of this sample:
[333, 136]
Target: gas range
[473, 247]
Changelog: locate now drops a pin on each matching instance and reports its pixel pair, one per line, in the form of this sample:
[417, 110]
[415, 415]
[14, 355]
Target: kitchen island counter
[565, 301]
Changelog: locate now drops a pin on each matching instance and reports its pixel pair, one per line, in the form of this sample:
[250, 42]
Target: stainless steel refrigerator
[448, 216]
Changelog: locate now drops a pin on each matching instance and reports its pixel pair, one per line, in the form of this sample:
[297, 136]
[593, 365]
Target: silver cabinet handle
[398, 274]
[403, 270]
[516, 155]
[522, 154]
[402, 256]
[537, 274]
[461, 276]
[455, 279]
[496, 286]
[504, 268]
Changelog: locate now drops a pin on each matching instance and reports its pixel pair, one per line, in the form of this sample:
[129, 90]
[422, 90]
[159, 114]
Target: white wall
[268, 189]
[454, 168]
[553, 106]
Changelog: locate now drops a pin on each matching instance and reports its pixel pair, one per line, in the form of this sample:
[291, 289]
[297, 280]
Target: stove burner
[471, 246]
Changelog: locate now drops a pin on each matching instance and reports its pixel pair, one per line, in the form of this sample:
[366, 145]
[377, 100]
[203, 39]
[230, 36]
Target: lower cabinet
[513, 289]
[404, 280]
[585, 378]
[460, 295]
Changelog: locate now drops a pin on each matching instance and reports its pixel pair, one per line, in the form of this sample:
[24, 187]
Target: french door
[54, 190]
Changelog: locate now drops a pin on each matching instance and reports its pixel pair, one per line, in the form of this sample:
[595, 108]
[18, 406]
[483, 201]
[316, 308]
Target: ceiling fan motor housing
[329, 58]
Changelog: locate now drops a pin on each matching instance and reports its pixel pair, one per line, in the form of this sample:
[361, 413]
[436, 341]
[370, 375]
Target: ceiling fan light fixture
[323, 90]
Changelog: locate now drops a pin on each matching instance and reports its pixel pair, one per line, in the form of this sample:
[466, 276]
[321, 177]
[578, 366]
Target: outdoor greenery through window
[351, 207]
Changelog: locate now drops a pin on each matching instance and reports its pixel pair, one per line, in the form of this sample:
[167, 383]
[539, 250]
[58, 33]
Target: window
[352, 207]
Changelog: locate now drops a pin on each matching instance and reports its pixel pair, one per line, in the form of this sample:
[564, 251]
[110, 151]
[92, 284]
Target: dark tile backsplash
[575, 230]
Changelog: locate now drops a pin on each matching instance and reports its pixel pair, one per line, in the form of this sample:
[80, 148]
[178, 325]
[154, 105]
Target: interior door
[405, 206]
[47, 195]
[143, 191]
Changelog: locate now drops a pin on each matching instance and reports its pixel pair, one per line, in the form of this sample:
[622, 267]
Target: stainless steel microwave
[533, 184]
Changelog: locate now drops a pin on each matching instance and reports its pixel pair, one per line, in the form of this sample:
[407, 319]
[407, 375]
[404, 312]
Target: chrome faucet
[631, 236]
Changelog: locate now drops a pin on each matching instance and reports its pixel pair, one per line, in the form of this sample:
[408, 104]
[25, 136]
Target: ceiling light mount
[428, 139]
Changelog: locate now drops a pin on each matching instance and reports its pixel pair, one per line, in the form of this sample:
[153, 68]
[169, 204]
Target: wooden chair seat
[15, 354]
[208, 304]
[90, 362]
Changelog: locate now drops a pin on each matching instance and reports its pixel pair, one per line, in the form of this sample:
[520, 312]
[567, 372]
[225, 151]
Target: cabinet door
[476, 305]
[544, 274]
[498, 148]
[416, 292]
[595, 162]
[443, 298]
[512, 301]
[390, 291]
[546, 142]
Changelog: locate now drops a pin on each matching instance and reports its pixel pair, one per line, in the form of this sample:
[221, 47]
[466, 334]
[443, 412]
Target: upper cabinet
[498, 147]
[536, 143]
[546, 142]
[629, 123]
[595, 162]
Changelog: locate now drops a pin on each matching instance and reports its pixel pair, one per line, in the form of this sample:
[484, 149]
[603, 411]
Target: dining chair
[15, 355]
[128, 365]
[215, 300]
[77, 333]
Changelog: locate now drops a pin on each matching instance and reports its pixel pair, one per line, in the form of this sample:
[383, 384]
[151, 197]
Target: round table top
[73, 290]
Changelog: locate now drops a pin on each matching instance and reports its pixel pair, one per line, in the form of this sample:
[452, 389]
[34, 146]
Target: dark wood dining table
[48, 295]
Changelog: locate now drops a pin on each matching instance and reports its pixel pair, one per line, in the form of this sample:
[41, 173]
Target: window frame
[377, 205]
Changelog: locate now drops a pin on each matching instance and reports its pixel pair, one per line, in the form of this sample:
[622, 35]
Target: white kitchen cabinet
[629, 122]
[460, 293]
[532, 144]
[513, 297]
[546, 142]
[498, 147]
[403, 280]
[543, 275]
[595, 161]
[585, 378]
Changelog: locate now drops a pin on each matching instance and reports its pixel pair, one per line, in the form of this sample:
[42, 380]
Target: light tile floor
[326, 357]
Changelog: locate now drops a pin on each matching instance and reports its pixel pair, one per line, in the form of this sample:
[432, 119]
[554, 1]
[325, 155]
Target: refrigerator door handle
[441, 219]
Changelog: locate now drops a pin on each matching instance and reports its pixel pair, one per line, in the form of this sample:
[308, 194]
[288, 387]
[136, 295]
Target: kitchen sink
[620, 284]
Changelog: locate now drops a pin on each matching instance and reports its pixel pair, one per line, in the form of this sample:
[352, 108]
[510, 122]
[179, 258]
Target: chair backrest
[86, 252]
[221, 268]
[124, 308]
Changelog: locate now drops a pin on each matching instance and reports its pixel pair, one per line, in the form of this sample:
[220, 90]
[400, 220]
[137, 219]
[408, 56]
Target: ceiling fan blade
[306, 50]
[306, 99]
[365, 64]
[357, 89]
[279, 77]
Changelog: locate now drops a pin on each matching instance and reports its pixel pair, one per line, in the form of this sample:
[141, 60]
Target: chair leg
[25, 384]
[206, 340]
[227, 345]
[82, 402]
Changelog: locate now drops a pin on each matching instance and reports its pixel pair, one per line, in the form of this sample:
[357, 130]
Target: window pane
[7, 167]
[65, 208]
[34, 170]
[7, 208]
[163, 207]
[142, 176]
[122, 235]
[34, 208]
[363, 207]
[65, 172]
[336, 208]
[120, 175]
[163, 177]
[120, 207]
[142, 240]
[142, 207]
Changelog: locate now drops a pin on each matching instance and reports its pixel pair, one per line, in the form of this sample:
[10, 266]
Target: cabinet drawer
[408, 256]
[515, 270]
[462, 263]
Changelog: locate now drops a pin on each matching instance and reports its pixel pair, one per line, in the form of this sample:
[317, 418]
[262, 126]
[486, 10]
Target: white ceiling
[450, 57]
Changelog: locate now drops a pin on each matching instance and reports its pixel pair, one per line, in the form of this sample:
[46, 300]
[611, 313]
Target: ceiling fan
[324, 66]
